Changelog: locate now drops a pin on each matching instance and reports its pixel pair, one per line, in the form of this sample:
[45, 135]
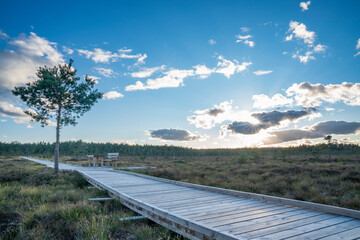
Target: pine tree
[60, 95]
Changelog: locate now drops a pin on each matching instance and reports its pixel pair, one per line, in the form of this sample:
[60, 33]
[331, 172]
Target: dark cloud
[313, 89]
[245, 127]
[336, 127]
[215, 111]
[318, 130]
[275, 117]
[267, 120]
[174, 135]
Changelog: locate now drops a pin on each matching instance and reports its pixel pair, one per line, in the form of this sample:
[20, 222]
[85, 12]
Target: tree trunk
[57, 145]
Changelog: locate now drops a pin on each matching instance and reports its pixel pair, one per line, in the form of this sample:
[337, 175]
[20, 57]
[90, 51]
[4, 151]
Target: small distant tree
[58, 94]
[328, 138]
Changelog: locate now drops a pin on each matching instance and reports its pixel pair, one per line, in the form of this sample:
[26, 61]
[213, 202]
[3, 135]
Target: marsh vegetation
[36, 205]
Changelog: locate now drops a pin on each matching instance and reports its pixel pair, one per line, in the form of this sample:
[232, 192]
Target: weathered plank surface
[201, 212]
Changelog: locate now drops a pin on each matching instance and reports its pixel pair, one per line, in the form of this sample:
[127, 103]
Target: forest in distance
[81, 149]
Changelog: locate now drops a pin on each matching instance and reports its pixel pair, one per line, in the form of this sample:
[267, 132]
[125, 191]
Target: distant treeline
[80, 148]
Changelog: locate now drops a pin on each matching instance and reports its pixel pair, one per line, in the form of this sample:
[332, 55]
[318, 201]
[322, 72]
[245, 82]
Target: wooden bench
[96, 160]
[112, 159]
[91, 159]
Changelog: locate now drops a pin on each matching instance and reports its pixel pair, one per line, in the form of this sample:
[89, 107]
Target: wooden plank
[348, 234]
[150, 189]
[129, 185]
[166, 202]
[307, 228]
[179, 199]
[186, 192]
[205, 203]
[261, 197]
[289, 222]
[240, 213]
[224, 211]
[258, 220]
[243, 216]
[204, 208]
[330, 230]
[230, 223]
[168, 205]
[226, 206]
[159, 194]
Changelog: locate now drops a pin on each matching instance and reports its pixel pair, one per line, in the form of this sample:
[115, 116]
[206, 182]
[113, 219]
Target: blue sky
[191, 73]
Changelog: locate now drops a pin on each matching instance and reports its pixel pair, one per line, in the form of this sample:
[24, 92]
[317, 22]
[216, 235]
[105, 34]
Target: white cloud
[262, 101]
[312, 95]
[175, 77]
[19, 65]
[357, 47]
[250, 43]
[228, 67]
[212, 42]
[208, 118]
[305, 5]
[29, 126]
[123, 53]
[3, 35]
[299, 31]
[124, 141]
[106, 72]
[99, 55]
[3, 120]
[16, 113]
[146, 72]
[68, 50]
[245, 29]
[241, 38]
[304, 58]
[289, 38]
[51, 123]
[245, 39]
[112, 95]
[38, 46]
[262, 72]
[172, 78]
[320, 48]
[202, 71]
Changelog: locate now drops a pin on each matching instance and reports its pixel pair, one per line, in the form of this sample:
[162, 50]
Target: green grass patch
[34, 204]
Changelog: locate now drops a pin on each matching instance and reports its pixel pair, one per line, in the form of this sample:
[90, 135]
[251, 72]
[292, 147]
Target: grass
[36, 205]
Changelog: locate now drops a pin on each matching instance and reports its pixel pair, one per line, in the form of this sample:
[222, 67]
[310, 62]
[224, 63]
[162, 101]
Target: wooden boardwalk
[201, 212]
